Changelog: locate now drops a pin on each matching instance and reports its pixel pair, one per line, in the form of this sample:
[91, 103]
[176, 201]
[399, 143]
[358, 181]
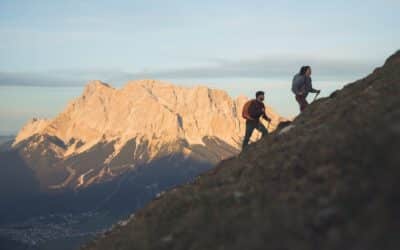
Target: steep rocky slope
[328, 181]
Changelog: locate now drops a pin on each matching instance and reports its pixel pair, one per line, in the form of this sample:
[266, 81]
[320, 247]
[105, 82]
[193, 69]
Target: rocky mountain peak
[96, 87]
[159, 117]
[32, 127]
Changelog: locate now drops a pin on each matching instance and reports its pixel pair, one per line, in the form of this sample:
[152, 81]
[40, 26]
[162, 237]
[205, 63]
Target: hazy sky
[49, 49]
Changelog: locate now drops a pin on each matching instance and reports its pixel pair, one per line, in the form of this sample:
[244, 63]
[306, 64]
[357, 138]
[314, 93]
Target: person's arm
[312, 90]
[315, 91]
[265, 116]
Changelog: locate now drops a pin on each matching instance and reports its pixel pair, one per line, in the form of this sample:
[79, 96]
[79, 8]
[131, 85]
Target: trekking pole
[315, 97]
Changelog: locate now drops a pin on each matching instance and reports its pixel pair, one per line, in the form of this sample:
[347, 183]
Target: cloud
[59, 78]
[34, 79]
[256, 68]
[268, 67]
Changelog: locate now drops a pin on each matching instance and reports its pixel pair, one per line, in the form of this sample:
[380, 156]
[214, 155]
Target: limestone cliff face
[32, 127]
[143, 120]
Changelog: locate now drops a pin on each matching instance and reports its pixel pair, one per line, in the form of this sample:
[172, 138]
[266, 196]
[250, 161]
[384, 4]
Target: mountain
[6, 138]
[329, 180]
[107, 132]
[6, 142]
[109, 153]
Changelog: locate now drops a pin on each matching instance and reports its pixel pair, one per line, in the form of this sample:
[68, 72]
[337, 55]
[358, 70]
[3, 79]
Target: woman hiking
[302, 85]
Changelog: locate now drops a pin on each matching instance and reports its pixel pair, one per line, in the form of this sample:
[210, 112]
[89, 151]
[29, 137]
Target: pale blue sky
[50, 49]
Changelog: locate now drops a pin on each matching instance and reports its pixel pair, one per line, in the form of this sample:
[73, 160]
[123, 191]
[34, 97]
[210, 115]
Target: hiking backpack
[246, 110]
[298, 81]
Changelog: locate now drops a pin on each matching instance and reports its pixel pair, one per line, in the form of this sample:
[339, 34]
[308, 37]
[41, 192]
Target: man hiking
[302, 85]
[252, 111]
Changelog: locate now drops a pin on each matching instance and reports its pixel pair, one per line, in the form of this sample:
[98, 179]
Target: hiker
[252, 111]
[302, 85]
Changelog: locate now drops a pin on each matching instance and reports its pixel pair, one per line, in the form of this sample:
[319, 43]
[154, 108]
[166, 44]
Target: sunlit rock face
[107, 131]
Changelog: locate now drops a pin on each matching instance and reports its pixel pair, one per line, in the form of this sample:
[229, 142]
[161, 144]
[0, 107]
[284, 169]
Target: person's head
[305, 71]
[260, 96]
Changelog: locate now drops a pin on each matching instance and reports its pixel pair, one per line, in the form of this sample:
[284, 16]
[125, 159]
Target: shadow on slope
[119, 196]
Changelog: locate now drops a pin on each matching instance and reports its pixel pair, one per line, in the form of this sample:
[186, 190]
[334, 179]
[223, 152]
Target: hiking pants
[250, 126]
[301, 99]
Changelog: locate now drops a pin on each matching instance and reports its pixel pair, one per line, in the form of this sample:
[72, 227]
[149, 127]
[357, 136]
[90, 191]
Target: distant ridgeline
[6, 143]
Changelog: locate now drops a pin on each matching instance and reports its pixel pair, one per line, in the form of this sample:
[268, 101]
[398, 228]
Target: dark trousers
[250, 126]
[301, 99]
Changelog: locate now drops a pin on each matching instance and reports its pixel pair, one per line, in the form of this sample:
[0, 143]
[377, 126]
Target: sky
[50, 49]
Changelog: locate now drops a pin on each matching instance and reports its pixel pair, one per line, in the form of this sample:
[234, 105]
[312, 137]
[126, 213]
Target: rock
[286, 129]
[326, 217]
[167, 238]
[142, 121]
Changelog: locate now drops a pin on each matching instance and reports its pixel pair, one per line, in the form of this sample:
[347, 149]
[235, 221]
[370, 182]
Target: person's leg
[262, 129]
[302, 102]
[249, 130]
[305, 104]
